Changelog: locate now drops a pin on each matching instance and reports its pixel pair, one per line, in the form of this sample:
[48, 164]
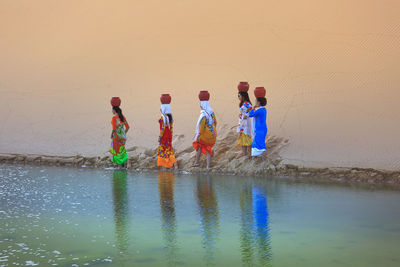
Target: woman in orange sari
[118, 135]
[206, 130]
[165, 152]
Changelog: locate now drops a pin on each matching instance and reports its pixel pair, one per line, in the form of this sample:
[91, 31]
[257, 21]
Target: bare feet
[195, 164]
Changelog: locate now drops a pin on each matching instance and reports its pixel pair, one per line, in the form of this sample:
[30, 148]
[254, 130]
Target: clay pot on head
[204, 96]
[243, 87]
[115, 101]
[260, 92]
[165, 99]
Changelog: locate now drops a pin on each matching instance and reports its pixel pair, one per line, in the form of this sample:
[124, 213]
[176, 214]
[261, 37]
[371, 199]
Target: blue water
[81, 217]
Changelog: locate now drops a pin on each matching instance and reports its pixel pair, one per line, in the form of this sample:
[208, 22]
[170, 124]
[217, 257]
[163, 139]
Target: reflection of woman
[168, 219]
[118, 135]
[254, 236]
[246, 232]
[260, 214]
[165, 152]
[120, 196]
[208, 210]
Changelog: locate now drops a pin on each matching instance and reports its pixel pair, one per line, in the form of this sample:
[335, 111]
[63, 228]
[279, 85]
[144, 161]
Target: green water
[82, 217]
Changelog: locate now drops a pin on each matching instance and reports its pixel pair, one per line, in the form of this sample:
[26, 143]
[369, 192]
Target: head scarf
[206, 112]
[165, 109]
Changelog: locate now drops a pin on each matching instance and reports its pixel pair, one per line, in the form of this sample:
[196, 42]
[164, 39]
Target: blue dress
[260, 126]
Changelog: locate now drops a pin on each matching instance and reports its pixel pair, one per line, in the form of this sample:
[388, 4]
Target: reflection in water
[39, 206]
[120, 196]
[168, 218]
[208, 210]
[254, 235]
[260, 214]
[247, 225]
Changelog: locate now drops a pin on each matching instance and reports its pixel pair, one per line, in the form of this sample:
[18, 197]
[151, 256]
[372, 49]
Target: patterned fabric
[245, 123]
[165, 152]
[207, 135]
[207, 113]
[245, 126]
[118, 149]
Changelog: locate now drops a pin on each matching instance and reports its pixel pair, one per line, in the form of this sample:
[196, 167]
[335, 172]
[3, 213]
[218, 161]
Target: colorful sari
[245, 128]
[165, 152]
[206, 130]
[118, 149]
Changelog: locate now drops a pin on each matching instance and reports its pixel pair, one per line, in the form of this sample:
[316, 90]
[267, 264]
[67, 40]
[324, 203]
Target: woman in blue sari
[259, 115]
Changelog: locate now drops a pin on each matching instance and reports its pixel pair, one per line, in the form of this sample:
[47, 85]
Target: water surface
[79, 217]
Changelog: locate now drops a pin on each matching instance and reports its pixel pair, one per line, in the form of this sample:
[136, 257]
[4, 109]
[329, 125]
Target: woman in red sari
[165, 152]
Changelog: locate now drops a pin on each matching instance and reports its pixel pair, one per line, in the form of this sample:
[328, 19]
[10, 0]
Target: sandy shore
[227, 159]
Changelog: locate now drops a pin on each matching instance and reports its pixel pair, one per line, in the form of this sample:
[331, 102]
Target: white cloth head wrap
[165, 109]
[206, 111]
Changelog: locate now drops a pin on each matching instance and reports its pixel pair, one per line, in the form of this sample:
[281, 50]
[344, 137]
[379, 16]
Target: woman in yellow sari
[206, 130]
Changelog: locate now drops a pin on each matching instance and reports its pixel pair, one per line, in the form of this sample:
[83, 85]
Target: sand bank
[330, 68]
[227, 159]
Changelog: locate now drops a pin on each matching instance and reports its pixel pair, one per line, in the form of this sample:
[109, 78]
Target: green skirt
[121, 157]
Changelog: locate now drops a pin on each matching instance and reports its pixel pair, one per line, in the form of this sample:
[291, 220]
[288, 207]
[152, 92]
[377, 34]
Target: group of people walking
[252, 128]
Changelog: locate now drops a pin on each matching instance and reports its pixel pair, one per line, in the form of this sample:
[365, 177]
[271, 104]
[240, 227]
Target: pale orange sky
[331, 70]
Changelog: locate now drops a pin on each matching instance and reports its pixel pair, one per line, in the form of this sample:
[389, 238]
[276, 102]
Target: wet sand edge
[147, 161]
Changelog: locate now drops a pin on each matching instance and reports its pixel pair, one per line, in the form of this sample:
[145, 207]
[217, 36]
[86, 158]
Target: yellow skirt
[244, 140]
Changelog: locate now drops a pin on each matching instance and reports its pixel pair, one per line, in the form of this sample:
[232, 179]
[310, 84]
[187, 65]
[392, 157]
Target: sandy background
[331, 70]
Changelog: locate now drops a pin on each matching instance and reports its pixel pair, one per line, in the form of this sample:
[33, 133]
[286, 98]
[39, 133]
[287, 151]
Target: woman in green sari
[118, 135]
